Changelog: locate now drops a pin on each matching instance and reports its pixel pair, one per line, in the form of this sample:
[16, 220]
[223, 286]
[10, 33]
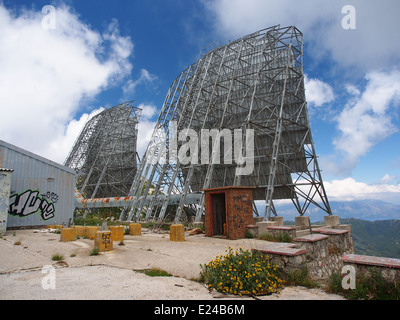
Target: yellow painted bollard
[117, 232]
[135, 229]
[67, 234]
[103, 241]
[80, 231]
[91, 232]
[177, 232]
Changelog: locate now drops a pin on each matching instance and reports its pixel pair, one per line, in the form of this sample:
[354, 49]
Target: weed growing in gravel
[242, 273]
[154, 272]
[57, 257]
[94, 252]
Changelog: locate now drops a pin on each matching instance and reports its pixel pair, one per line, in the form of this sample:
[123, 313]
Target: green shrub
[280, 237]
[369, 286]
[299, 277]
[241, 273]
[249, 235]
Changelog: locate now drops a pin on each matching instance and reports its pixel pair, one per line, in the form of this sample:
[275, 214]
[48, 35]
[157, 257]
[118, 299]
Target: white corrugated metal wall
[42, 191]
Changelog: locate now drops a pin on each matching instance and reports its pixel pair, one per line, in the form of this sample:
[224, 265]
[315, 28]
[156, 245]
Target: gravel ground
[115, 275]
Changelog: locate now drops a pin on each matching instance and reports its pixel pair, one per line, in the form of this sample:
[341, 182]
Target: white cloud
[145, 77]
[73, 130]
[47, 74]
[387, 179]
[146, 127]
[349, 189]
[318, 92]
[370, 45]
[366, 119]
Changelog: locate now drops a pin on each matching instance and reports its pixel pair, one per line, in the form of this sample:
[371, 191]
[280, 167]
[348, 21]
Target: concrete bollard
[103, 241]
[80, 231]
[91, 232]
[332, 221]
[303, 222]
[279, 221]
[67, 234]
[177, 233]
[264, 225]
[117, 232]
[135, 229]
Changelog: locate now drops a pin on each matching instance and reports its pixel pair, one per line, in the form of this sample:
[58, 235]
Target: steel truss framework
[256, 82]
[104, 155]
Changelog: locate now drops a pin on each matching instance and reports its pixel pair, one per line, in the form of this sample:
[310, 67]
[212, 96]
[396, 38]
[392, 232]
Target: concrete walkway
[114, 275]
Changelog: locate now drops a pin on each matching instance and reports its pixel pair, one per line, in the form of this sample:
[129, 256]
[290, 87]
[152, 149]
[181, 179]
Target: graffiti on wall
[31, 202]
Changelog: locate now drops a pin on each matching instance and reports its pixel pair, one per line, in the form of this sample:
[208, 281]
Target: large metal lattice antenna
[104, 155]
[255, 83]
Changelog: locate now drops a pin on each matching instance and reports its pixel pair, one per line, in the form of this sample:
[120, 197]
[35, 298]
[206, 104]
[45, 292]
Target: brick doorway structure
[228, 211]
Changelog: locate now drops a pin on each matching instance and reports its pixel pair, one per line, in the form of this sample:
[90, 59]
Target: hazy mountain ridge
[375, 224]
[377, 238]
[370, 210]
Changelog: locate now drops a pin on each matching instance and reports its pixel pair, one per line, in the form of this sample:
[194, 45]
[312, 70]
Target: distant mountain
[370, 210]
[375, 224]
[378, 238]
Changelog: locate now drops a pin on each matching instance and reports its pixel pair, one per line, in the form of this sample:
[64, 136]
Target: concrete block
[264, 225]
[80, 231]
[67, 234]
[303, 222]
[117, 233]
[258, 219]
[279, 220]
[135, 229]
[332, 221]
[177, 232]
[91, 232]
[103, 241]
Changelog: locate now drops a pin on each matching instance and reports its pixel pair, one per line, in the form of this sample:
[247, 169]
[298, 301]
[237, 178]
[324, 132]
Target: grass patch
[299, 277]
[154, 272]
[94, 252]
[242, 273]
[281, 237]
[369, 286]
[57, 257]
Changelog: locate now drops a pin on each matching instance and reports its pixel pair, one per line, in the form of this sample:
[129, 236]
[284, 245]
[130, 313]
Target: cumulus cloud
[47, 74]
[145, 78]
[146, 127]
[370, 45]
[349, 189]
[366, 119]
[318, 92]
[73, 130]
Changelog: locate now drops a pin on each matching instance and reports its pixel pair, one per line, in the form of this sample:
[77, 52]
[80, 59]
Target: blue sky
[104, 52]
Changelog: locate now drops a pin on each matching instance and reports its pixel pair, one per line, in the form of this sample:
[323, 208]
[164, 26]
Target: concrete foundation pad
[332, 220]
[279, 220]
[303, 222]
[264, 225]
